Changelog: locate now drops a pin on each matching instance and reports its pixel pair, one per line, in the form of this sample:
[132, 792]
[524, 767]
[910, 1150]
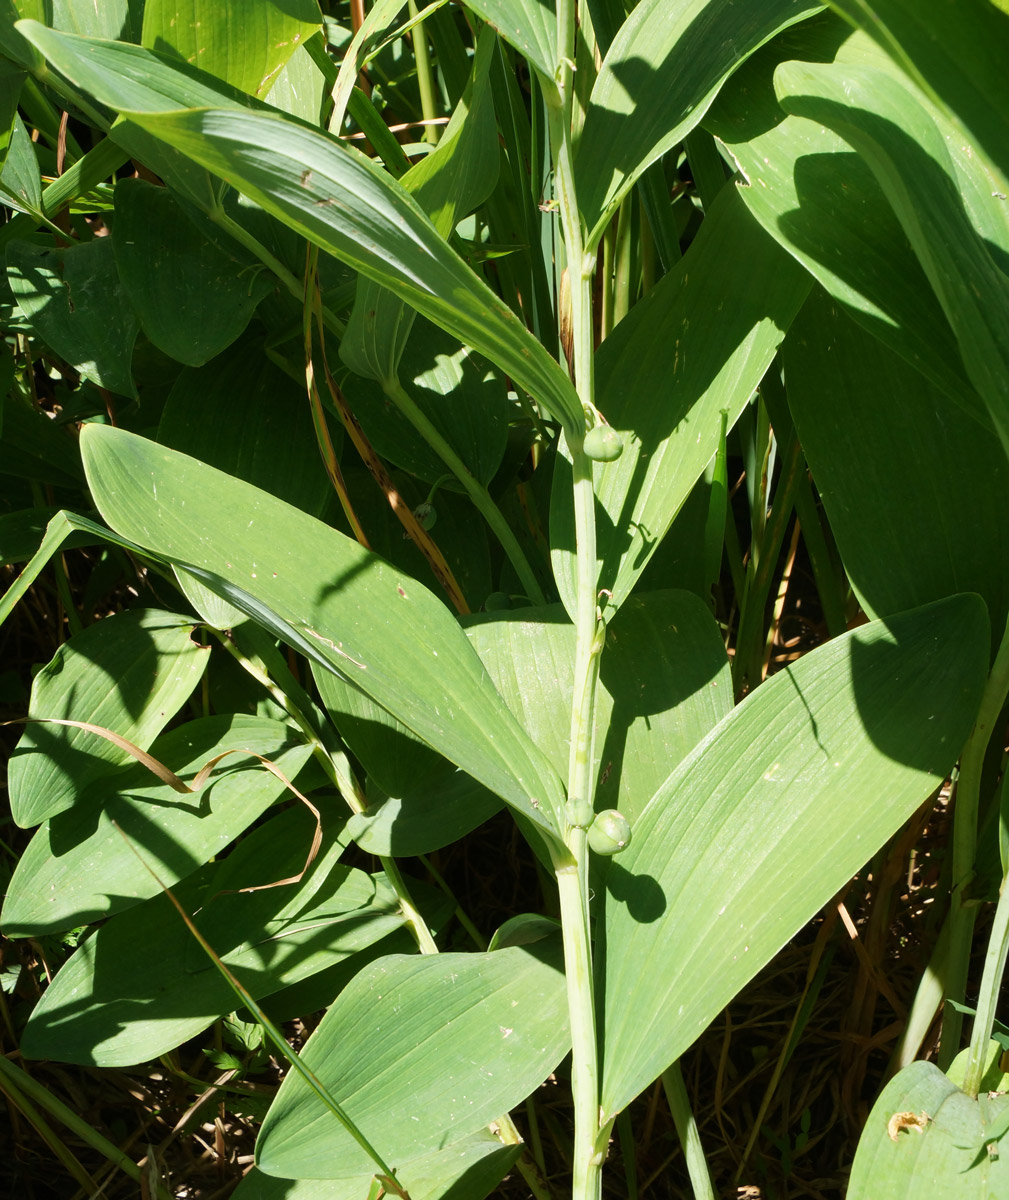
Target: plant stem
[991, 985]
[962, 916]
[476, 491]
[425, 76]
[686, 1129]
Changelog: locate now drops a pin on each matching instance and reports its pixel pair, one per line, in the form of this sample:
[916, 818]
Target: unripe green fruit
[426, 515]
[603, 444]
[497, 602]
[610, 832]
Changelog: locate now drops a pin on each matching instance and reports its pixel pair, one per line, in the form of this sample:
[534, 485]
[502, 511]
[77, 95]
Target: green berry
[610, 832]
[497, 602]
[603, 444]
[426, 515]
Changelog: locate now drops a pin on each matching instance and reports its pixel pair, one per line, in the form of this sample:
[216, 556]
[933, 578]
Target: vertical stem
[686, 1129]
[425, 76]
[991, 984]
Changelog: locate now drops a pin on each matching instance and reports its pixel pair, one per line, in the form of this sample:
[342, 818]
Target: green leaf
[821, 201]
[925, 1136]
[697, 344]
[661, 73]
[244, 42]
[131, 673]
[769, 816]
[141, 985]
[193, 297]
[244, 415]
[341, 201]
[77, 868]
[11, 79]
[425, 1051]
[109, 19]
[298, 88]
[77, 305]
[466, 1170]
[341, 606]
[902, 472]
[884, 120]
[20, 180]
[664, 685]
[528, 25]
[956, 53]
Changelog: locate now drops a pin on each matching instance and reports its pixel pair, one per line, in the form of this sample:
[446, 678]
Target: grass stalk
[686, 1129]
[425, 75]
[988, 996]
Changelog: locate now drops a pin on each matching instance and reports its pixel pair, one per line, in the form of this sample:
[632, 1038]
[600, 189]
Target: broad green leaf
[697, 344]
[108, 19]
[820, 200]
[466, 1170]
[141, 984]
[193, 297]
[242, 414]
[462, 395]
[528, 25]
[379, 18]
[78, 868]
[11, 79]
[298, 88]
[20, 180]
[661, 73]
[244, 42]
[322, 593]
[664, 685]
[955, 53]
[888, 125]
[926, 1137]
[451, 181]
[341, 201]
[130, 673]
[902, 472]
[769, 815]
[424, 1050]
[78, 306]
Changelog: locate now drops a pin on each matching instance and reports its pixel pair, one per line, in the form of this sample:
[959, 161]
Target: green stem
[991, 985]
[425, 76]
[476, 491]
[962, 916]
[686, 1129]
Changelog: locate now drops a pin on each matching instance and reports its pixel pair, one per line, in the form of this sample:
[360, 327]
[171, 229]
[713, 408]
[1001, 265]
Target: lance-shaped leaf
[129, 673]
[820, 200]
[955, 52]
[901, 470]
[245, 43]
[339, 200]
[697, 344]
[78, 867]
[661, 73]
[320, 592]
[925, 1136]
[528, 25]
[424, 1050]
[770, 815]
[890, 127]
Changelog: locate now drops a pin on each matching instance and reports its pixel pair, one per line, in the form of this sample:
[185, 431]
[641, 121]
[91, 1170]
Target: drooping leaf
[78, 868]
[697, 344]
[821, 201]
[130, 673]
[902, 471]
[661, 73]
[77, 304]
[425, 1050]
[341, 606]
[890, 127]
[769, 816]
[141, 984]
[342, 202]
[245, 43]
[193, 297]
[926, 1136]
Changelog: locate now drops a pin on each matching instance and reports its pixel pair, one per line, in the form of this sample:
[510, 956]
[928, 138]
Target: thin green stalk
[686, 1129]
[21, 1082]
[425, 75]
[962, 916]
[476, 491]
[988, 996]
[623, 271]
